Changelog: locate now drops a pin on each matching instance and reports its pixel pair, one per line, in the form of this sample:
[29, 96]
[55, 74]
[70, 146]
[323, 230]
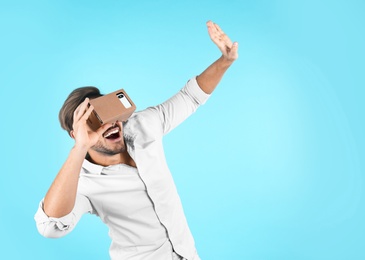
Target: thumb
[232, 54]
[234, 48]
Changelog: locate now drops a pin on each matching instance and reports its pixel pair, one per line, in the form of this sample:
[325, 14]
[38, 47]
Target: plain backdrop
[271, 167]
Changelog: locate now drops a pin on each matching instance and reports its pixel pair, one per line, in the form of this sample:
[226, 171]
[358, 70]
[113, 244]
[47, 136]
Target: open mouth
[112, 133]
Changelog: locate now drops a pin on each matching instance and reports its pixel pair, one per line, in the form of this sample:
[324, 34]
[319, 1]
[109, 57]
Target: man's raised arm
[179, 107]
[210, 78]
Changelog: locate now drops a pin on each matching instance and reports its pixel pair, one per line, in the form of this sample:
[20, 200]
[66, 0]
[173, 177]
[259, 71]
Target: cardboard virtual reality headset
[110, 108]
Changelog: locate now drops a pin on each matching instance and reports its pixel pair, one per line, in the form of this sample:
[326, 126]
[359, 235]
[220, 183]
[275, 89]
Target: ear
[72, 134]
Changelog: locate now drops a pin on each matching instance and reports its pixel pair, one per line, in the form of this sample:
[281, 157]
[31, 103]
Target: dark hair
[73, 100]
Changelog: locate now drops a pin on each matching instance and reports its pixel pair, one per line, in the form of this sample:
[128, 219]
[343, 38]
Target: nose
[115, 123]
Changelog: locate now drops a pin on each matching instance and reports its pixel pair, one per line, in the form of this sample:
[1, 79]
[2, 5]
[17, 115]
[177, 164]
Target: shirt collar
[91, 167]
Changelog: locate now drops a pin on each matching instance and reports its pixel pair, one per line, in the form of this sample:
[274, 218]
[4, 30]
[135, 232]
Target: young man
[119, 172]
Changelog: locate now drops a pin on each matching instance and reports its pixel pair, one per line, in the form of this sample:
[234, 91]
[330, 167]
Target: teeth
[116, 130]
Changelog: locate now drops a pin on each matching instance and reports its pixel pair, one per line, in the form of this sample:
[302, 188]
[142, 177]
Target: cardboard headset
[110, 108]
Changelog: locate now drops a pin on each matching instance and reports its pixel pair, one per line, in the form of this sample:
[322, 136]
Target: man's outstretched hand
[229, 50]
[211, 76]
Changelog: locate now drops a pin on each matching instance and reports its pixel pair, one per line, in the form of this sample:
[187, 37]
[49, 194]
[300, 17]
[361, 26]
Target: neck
[106, 160]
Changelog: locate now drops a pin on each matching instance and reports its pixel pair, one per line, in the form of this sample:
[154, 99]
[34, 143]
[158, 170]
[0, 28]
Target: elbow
[50, 231]
[52, 227]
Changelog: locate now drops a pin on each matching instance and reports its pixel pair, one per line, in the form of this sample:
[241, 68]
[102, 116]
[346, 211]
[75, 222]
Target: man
[119, 172]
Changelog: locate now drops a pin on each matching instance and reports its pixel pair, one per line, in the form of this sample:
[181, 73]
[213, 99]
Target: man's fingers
[212, 30]
[223, 42]
[218, 28]
[82, 107]
[81, 114]
[218, 36]
[80, 110]
[223, 36]
[88, 112]
[211, 26]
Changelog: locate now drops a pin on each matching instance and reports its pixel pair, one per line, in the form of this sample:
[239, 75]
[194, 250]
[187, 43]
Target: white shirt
[141, 208]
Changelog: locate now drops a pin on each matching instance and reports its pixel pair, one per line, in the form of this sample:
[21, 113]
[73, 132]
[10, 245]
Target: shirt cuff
[62, 223]
[196, 92]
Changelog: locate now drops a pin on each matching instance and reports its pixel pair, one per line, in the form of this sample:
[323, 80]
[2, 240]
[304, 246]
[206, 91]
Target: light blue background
[272, 167]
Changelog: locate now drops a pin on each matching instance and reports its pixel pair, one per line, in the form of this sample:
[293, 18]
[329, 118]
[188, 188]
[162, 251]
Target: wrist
[80, 149]
[225, 62]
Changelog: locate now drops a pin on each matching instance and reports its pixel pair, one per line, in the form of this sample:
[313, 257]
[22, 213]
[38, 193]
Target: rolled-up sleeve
[179, 107]
[58, 227]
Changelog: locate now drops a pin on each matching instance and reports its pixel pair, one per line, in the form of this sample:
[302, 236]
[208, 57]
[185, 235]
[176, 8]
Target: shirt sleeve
[58, 227]
[179, 107]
